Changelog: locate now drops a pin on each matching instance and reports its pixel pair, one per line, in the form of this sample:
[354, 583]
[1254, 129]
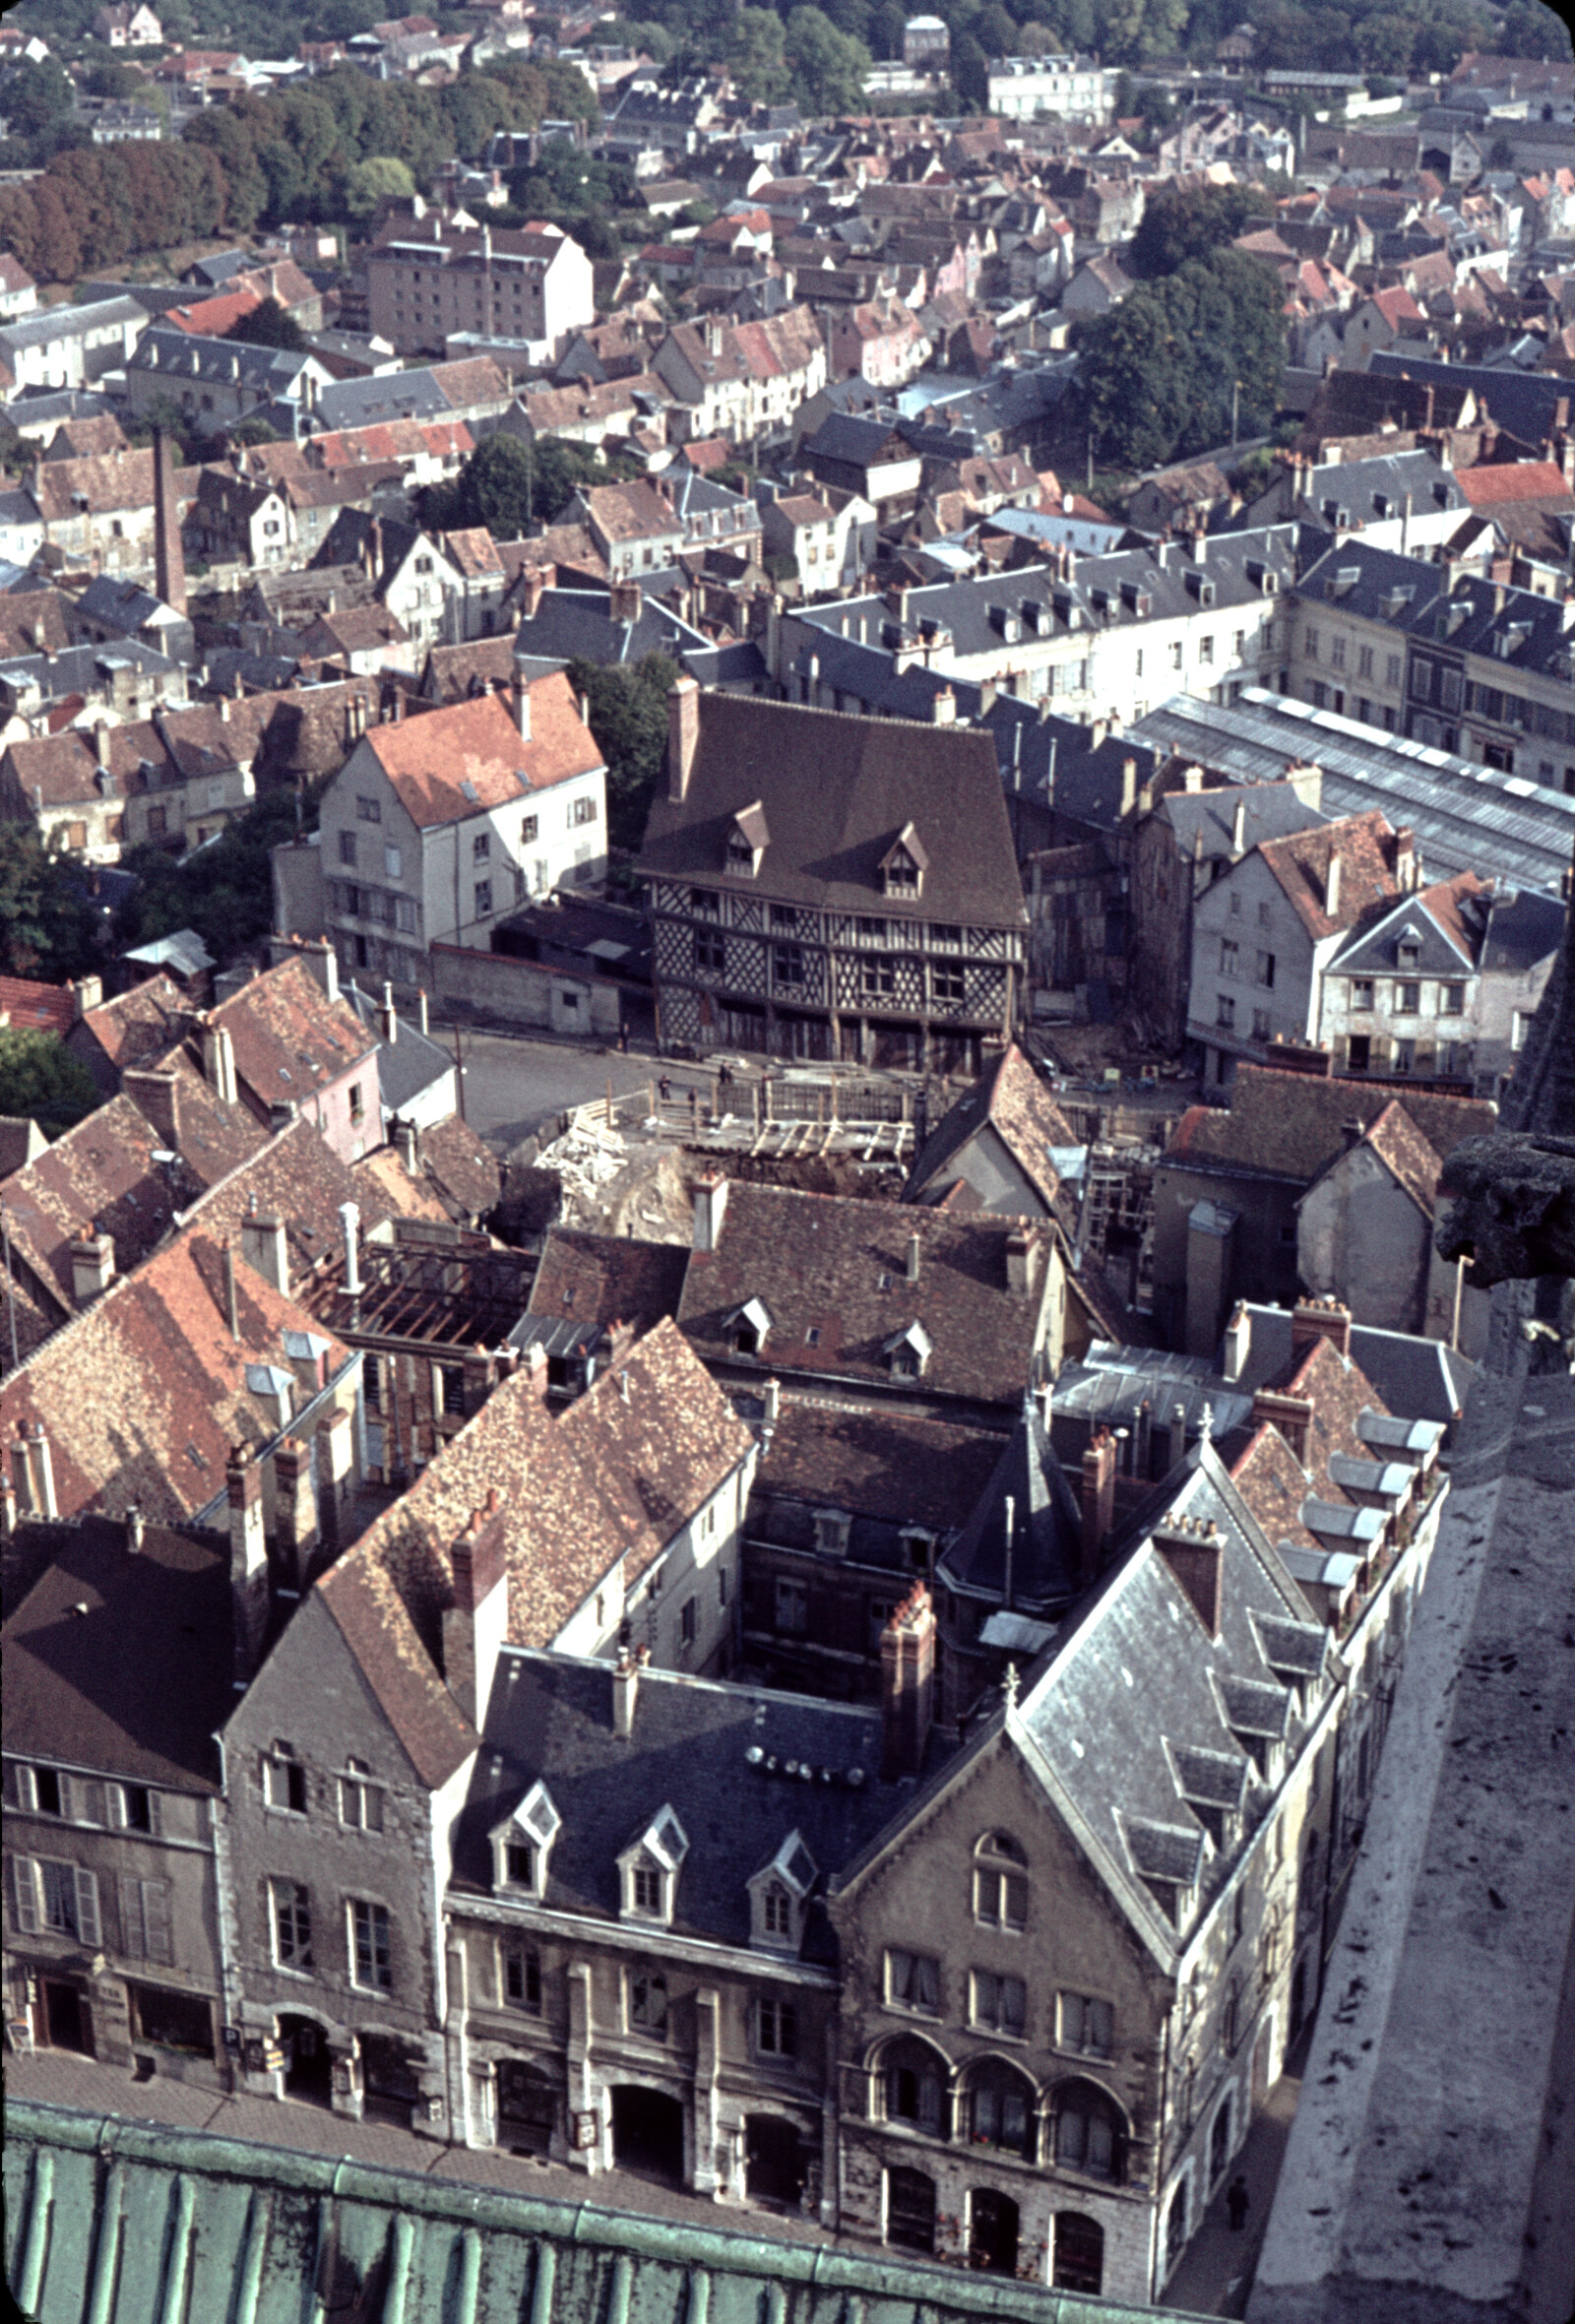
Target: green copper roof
[110, 2222]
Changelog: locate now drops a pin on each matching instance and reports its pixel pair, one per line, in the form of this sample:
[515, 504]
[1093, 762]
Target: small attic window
[1409, 949]
[748, 841]
[779, 1896]
[904, 865]
[909, 1353]
[747, 1327]
[522, 1844]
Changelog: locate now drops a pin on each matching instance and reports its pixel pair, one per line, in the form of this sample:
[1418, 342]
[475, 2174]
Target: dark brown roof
[297, 1178]
[289, 1038]
[1290, 1124]
[1366, 846]
[830, 836]
[94, 1688]
[616, 1477]
[890, 1465]
[141, 1025]
[1012, 1098]
[816, 1263]
[398, 1668]
[462, 1166]
[608, 1279]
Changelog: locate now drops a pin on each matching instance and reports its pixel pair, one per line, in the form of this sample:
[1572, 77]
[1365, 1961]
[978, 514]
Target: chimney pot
[1098, 1501]
[1312, 1320]
[625, 1691]
[907, 1683]
[92, 1265]
[351, 1227]
[683, 736]
[135, 1528]
[711, 1204]
[912, 1258]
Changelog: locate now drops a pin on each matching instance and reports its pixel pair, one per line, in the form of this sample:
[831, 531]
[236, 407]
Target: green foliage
[828, 67]
[1156, 373]
[46, 925]
[971, 72]
[268, 326]
[629, 721]
[1178, 227]
[369, 182]
[757, 56]
[510, 487]
[224, 890]
[41, 1077]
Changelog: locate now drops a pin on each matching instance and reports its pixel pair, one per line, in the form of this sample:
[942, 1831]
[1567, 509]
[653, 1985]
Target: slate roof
[829, 839]
[816, 1263]
[1447, 923]
[607, 1279]
[1012, 1099]
[1523, 928]
[1270, 811]
[406, 1065]
[1420, 1379]
[169, 1384]
[688, 1750]
[93, 1689]
[1523, 401]
[886, 1467]
[1290, 1124]
[610, 1479]
[1047, 1527]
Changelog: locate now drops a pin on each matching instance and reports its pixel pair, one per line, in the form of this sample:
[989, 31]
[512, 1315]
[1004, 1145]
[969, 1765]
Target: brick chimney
[683, 736]
[335, 1440]
[1020, 1261]
[92, 1265]
[1193, 1547]
[1098, 1500]
[1290, 1414]
[533, 584]
[248, 1559]
[624, 602]
[169, 562]
[1319, 1319]
[711, 1206]
[476, 1625]
[907, 1684]
[1238, 1342]
[294, 1508]
[265, 1249]
[157, 1098]
[1407, 866]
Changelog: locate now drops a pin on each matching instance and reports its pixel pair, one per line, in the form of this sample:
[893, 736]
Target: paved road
[513, 1085]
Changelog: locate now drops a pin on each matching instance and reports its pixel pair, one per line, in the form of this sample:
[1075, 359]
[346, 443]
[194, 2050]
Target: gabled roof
[884, 1466]
[144, 1393]
[1419, 1378]
[88, 1652]
[607, 1279]
[401, 1674]
[1012, 1099]
[613, 1477]
[289, 1038]
[36, 1008]
[1290, 1124]
[1446, 923]
[873, 775]
[836, 1266]
[1299, 862]
[1046, 1531]
[1269, 810]
[452, 763]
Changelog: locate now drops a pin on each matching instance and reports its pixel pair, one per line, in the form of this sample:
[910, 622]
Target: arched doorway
[647, 2133]
[527, 2108]
[910, 2210]
[775, 2162]
[992, 2228]
[309, 2069]
[1175, 2228]
[1077, 2253]
[915, 2086]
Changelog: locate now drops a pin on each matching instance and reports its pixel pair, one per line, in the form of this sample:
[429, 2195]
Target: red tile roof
[429, 759]
[1300, 863]
[36, 1008]
[1514, 479]
[289, 1038]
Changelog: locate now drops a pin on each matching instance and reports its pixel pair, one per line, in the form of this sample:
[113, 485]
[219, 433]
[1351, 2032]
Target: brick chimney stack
[1312, 1320]
[157, 1098]
[907, 1684]
[476, 1625]
[1098, 1501]
[1290, 1414]
[1193, 1547]
[248, 1559]
[169, 562]
[266, 1250]
[295, 1509]
[92, 1265]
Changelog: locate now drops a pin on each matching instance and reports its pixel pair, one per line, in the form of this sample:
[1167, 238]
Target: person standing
[1236, 2202]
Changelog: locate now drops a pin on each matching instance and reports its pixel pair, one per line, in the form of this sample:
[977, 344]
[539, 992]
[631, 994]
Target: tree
[757, 56]
[46, 925]
[223, 890]
[971, 72]
[366, 184]
[629, 721]
[1530, 30]
[268, 326]
[41, 1077]
[829, 68]
[508, 485]
[1158, 374]
[1178, 227]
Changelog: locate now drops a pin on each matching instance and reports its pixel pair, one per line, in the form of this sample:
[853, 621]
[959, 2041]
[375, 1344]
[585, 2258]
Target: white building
[528, 285]
[67, 346]
[1071, 88]
[439, 825]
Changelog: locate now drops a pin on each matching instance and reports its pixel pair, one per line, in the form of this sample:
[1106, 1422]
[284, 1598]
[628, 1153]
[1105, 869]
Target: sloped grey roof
[550, 1716]
[1047, 1527]
[1374, 949]
[1417, 1379]
[1270, 811]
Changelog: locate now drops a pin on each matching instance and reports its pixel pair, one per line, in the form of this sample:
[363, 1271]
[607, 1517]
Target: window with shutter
[87, 1907]
[88, 1801]
[24, 1895]
[156, 1920]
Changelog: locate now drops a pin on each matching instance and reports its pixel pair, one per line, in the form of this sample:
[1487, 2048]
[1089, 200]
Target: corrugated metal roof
[137, 2222]
[1466, 817]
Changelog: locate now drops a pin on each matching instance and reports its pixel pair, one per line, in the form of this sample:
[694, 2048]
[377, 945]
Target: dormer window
[747, 1327]
[832, 1529]
[522, 1844]
[748, 841]
[778, 1897]
[649, 1870]
[904, 865]
[907, 1353]
[1408, 950]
